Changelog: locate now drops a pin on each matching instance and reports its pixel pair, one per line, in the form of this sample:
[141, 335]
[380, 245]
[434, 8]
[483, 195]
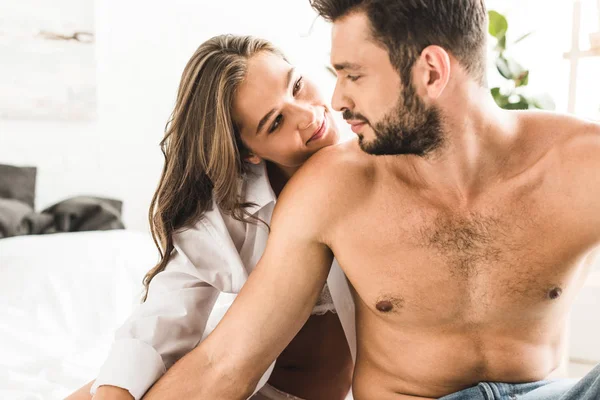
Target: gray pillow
[13, 218]
[18, 183]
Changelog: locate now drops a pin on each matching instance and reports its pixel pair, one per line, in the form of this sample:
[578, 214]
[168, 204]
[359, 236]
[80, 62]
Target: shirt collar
[257, 188]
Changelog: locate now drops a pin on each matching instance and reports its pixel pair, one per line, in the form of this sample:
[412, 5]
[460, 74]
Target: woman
[243, 123]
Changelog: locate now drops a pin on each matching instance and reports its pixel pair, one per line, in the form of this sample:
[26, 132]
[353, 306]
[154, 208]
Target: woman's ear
[253, 159]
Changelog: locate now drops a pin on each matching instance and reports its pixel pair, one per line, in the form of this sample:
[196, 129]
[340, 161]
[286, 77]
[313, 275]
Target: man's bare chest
[425, 261]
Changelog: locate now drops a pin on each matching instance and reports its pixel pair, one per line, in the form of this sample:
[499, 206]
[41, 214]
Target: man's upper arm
[578, 175]
[280, 293]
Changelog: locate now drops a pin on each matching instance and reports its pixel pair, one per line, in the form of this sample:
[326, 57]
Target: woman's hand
[106, 392]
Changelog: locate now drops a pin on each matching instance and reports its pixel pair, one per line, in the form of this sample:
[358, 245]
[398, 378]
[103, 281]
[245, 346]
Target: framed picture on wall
[48, 67]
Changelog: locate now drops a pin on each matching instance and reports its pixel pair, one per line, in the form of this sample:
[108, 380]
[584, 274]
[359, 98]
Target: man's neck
[477, 140]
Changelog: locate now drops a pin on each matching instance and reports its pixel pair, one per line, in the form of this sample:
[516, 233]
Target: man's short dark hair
[406, 27]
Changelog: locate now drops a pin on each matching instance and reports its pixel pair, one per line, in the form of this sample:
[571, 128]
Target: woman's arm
[112, 393]
[103, 393]
[161, 330]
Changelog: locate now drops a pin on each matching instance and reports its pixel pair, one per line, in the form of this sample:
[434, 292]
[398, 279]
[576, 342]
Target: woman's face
[281, 115]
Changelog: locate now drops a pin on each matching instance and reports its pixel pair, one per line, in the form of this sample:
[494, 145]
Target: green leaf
[498, 24]
[525, 36]
[513, 71]
[501, 44]
[516, 69]
[510, 69]
[499, 98]
[522, 80]
[543, 102]
[503, 67]
[521, 103]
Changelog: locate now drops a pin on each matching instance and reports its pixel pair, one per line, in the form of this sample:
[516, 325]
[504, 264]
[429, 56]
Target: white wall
[141, 49]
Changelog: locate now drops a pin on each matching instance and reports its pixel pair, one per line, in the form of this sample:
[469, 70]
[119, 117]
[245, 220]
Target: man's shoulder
[579, 140]
[566, 136]
[557, 124]
[329, 177]
[573, 170]
[335, 167]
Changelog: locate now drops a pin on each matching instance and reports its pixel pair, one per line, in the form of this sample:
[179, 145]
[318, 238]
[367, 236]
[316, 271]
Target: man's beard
[409, 128]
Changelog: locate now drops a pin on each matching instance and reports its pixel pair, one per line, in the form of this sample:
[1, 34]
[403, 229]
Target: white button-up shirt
[210, 264]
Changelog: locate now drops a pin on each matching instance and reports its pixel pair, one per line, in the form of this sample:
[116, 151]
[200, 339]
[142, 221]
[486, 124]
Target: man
[463, 242]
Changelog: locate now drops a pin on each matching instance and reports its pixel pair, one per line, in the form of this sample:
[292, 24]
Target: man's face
[387, 115]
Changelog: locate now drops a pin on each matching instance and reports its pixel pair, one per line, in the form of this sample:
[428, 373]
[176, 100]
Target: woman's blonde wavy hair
[204, 154]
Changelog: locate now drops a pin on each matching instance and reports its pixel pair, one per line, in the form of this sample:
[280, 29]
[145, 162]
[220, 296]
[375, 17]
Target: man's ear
[253, 159]
[434, 71]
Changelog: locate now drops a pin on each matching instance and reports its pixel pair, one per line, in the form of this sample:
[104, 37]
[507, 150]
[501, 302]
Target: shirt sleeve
[171, 321]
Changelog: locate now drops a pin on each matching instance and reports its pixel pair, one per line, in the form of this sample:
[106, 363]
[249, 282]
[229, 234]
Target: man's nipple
[384, 306]
[554, 293]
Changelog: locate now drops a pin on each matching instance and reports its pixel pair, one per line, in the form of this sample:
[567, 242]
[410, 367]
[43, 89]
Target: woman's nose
[307, 116]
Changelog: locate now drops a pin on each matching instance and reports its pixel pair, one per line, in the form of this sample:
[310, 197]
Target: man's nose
[340, 100]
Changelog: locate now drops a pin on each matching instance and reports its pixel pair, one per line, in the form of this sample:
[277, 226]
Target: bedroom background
[106, 95]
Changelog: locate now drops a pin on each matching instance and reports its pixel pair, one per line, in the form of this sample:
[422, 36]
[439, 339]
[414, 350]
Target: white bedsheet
[61, 298]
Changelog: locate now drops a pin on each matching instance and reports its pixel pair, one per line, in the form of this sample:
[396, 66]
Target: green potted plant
[512, 94]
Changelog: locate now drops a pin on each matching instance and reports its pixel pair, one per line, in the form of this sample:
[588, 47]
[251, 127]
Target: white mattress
[61, 298]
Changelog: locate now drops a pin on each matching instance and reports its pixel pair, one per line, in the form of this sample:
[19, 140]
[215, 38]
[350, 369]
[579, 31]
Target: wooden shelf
[584, 54]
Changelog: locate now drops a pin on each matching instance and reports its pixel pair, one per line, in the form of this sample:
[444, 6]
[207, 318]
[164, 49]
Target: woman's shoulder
[207, 248]
[210, 227]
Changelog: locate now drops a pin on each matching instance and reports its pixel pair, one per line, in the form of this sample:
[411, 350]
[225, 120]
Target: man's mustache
[349, 115]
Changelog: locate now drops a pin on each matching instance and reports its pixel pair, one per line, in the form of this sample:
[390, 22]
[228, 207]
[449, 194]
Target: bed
[61, 298]
[63, 295]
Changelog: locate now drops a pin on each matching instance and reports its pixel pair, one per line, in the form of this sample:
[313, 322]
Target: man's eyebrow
[268, 115]
[346, 65]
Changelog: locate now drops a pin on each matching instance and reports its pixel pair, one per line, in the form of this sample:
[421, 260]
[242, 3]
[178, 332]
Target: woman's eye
[278, 120]
[276, 123]
[353, 78]
[298, 85]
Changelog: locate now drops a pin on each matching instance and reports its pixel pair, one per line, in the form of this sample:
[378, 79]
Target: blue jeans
[588, 388]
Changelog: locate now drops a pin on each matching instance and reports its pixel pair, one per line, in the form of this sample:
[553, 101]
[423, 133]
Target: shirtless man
[463, 241]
